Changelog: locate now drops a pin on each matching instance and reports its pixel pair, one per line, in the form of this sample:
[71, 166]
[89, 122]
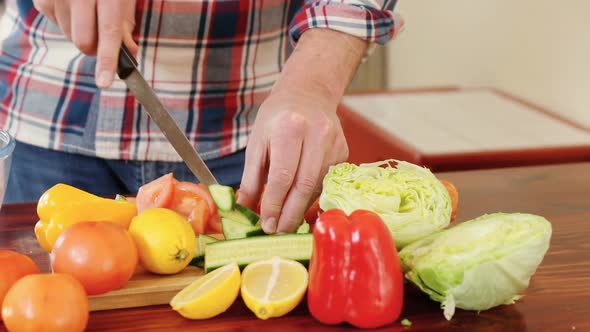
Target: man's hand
[96, 27]
[297, 134]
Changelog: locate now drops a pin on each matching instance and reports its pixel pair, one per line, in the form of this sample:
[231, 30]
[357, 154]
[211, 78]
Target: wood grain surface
[145, 289]
[558, 298]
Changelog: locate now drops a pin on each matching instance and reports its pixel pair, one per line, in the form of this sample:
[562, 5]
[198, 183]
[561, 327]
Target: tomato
[14, 266]
[184, 192]
[311, 215]
[101, 255]
[215, 223]
[454, 197]
[155, 194]
[199, 217]
[46, 302]
[186, 196]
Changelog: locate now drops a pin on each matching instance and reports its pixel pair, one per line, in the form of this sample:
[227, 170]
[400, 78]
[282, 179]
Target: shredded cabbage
[479, 264]
[412, 202]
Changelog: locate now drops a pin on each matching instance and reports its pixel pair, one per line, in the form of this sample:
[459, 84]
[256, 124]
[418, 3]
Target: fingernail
[104, 79]
[269, 225]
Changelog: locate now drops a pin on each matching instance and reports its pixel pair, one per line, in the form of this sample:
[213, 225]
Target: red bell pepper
[354, 273]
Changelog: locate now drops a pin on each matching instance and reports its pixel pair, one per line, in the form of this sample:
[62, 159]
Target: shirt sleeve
[373, 21]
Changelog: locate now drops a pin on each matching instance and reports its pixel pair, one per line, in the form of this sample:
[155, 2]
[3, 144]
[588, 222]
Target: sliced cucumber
[248, 250]
[255, 232]
[303, 228]
[202, 241]
[223, 196]
[236, 230]
[242, 218]
[247, 213]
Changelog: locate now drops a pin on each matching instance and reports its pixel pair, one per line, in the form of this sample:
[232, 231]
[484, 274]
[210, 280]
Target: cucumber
[247, 213]
[248, 250]
[236, 230]
[246, 218]
[303, 228]
[255, 232]
[202, 241]
[223, 196]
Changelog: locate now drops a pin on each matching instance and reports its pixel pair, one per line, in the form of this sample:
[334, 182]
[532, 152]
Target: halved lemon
[210, 295]
[273, 287]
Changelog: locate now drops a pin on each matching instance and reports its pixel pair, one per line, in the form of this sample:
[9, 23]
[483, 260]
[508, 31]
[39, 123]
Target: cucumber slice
[255, 232]
[223, 196]
[236, 230]
[248, 214]
[303, 228]
[202, 241]
[248, 250]
[245, 218]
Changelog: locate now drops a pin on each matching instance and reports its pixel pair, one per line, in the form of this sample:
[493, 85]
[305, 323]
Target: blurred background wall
[535, 49]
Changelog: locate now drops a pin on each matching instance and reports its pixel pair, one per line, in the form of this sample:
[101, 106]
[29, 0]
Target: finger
[110, 34]
[285, 150]
[129, 26]
[62, 16]
[253, 175]
[306, 184]
[46, 7]
[84, 34]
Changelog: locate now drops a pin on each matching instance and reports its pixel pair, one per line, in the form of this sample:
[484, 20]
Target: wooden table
[558, 298]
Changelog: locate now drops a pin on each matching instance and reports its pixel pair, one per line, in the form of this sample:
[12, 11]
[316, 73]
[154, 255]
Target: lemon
[210, 295]
[165, 240]
[273, 287]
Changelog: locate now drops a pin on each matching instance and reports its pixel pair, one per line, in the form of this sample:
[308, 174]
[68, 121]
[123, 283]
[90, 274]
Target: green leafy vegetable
[480, 263]
[412, 202]
[406, 322]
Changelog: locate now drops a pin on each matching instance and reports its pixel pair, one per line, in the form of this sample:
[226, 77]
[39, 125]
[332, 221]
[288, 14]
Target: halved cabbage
[412, 202]
[480, 263]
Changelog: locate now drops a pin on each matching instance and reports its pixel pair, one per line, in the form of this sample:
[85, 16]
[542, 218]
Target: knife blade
[128, 72]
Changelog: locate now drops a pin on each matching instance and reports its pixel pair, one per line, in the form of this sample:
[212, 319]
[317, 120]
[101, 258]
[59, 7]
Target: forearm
[323, 62]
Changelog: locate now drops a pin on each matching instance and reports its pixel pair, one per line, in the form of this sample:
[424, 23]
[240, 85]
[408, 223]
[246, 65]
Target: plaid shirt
[212, 63]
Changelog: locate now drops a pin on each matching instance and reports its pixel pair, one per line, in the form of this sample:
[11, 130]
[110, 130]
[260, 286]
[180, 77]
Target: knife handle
[127, 63]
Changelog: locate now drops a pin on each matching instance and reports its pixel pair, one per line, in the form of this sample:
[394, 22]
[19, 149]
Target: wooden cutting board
[145, 289]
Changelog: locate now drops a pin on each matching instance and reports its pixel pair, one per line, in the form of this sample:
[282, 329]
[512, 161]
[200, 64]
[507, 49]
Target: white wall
[535, 49]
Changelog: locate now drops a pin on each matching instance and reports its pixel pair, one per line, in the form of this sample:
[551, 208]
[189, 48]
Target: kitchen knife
[128, 72]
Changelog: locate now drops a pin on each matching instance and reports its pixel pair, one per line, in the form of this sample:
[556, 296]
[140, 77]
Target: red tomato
[311, 215]
[187, 196]
[101, 255]
[14, 266]
[156, 194]
[199, 217]
[454, 197]
[215, 223]
[46, 302]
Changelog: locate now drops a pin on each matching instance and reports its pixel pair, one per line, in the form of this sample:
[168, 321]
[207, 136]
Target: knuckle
[292, 122]
[324, 127]
[107, 61]
[85, 45]
[110, 29]
[305, 186]
[270, 207]
[281, 176]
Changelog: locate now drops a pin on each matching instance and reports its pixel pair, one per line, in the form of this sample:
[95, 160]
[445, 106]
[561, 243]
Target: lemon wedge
[273, 287]
[210, 295]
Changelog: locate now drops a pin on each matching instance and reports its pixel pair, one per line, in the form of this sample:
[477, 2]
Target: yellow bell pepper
[62, 206]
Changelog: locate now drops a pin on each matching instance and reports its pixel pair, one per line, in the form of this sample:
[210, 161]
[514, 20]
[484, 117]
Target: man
[219, 67]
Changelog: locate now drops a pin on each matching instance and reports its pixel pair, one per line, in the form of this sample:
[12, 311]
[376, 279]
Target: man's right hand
[96, 27]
